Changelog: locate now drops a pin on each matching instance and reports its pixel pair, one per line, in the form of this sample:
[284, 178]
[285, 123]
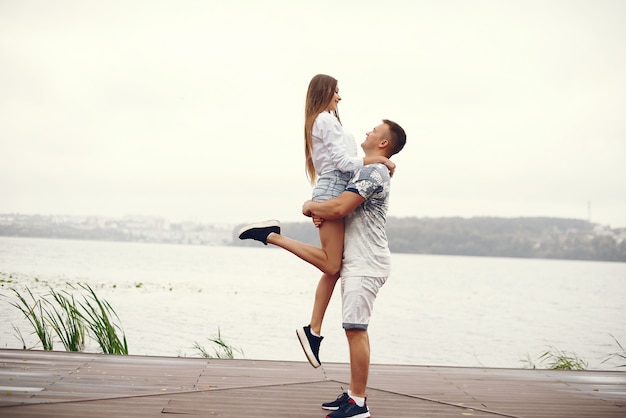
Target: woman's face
[332, 106]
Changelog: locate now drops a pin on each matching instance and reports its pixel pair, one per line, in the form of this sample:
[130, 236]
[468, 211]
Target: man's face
[374, 137]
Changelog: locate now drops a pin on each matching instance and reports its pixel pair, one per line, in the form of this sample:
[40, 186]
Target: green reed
[619, 355]
[99, 317]
[72, 320]
[562, 360]
[223, 350]
[66, 320]
[36, 316]
[555, 359]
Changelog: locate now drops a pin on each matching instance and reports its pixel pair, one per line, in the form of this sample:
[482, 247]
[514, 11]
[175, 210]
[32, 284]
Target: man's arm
[335, 208]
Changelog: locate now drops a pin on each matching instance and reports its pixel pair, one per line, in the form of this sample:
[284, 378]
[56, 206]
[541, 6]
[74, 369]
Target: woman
[331, 159]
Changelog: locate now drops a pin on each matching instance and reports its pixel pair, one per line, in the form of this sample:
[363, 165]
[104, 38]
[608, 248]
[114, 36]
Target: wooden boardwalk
[62, 384]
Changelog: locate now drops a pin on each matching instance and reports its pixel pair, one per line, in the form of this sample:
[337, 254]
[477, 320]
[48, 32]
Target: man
[366, 256]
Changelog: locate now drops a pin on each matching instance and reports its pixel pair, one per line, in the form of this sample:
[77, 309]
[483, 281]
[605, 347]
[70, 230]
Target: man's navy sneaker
[310, 344]
[260, 231]
[334, 405]
[350, 410]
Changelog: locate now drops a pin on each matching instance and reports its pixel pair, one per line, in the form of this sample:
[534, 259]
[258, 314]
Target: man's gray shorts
[357, 300]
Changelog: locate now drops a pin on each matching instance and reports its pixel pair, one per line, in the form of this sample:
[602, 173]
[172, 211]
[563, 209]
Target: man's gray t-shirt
[366, 249]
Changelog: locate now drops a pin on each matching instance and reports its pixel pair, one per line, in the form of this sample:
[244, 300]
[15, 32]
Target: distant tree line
[552, 238]
[504, 237]
[539, 237]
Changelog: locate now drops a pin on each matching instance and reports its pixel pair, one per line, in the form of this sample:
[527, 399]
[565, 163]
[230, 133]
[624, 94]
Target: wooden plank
[60, 384]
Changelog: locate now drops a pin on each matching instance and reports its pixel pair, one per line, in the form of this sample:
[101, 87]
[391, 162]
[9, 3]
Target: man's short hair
[398, 137]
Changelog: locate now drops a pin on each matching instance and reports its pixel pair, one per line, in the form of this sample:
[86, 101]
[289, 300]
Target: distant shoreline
[540, 237]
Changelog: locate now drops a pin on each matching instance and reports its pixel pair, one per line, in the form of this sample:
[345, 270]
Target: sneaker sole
[330, 408]
[304, 342]
[361, 415]
[263, 224]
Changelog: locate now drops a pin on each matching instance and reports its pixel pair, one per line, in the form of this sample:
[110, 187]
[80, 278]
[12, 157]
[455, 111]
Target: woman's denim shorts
[330, 185]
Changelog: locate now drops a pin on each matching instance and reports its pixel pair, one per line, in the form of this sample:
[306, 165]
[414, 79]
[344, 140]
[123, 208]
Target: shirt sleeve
[368, 180]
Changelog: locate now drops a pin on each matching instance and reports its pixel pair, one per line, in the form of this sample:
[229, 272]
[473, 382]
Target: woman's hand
[390, 165]
[379, 159]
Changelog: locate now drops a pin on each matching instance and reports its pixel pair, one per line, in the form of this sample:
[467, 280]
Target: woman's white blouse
[333, 148]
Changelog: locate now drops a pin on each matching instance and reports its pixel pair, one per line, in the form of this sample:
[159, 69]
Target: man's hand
[335, 208]
[306, 210]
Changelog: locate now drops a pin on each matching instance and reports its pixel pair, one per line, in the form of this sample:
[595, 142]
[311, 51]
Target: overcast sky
[193, 110]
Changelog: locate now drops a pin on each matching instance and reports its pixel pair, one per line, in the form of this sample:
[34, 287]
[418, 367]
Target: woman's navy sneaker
[260, 231]
[310, 344]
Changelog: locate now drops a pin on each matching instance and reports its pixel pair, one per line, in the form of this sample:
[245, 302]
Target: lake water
[433, 310]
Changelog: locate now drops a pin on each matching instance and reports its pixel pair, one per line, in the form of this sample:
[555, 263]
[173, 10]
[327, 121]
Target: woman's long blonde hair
[321, 91]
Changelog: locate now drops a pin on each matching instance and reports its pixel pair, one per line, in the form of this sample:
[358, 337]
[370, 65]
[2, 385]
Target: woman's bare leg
[323, 293]
[327, 258]
[331, 238]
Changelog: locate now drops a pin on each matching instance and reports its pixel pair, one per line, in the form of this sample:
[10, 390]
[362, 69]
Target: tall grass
[99, 316]
[72, 320]
[555, 359]
[66, 320]
[36, 316]
[562, 360]
[618, 355]
[223, 350]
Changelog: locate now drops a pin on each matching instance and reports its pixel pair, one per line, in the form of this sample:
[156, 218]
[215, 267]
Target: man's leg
[358, 296]
[359, 343]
